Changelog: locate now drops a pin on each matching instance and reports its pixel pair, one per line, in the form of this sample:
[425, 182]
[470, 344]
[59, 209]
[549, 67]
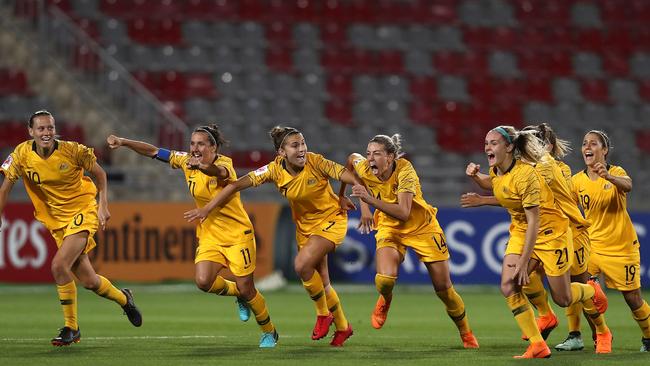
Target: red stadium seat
[589, 40]
[89, 26]
[619, 41]
[390, 62]
[595, 90]
[64, 5]
[339, 86]
[200, 85]
[116, 8]
[339, 111]
[13, 133]
[362, 11]
[643, 141]
[86, 59]
[533, 63]
[170, 137]
[211, 9]
[175, 107]
[450, 113]
[615, 64]
[424, 88]
[477, 37]
[151, 80]
[435, 12]
[279, 33]
[13, 82]
[481, 89]
[255, 10]
[337, 60]
[335, 11]
[640, 11]
[560, 63]
[421, 112]
[512, 90]
[614, 12]
[393, 12]
[308, 11]
[280, 59]
[173, 85]
[334, 35]
[644, 90]
[508, 112]
[251, 159]
[539, 88]
[533, 37]
[460, 63]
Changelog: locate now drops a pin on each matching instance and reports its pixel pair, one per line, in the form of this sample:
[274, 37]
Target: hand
[197, 213]
[360, 192]
[367, 221]
[472, 169]
[113, 141]
[194, 162]
[601, 170]
[470, 199]
[104, 215]
[346, 203]
[520, 275]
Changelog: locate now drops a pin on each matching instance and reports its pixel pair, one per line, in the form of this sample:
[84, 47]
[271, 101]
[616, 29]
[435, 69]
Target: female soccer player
[602, 190]
[538, 234]
[404, 219]
[64, 201]
[226, 238]
[303, 178]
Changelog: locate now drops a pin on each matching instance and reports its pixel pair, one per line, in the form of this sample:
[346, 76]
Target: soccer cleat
[322, 326]
[379, 314]
[545, 324]
[645, 344]
[66, 337]
[572, 343]
[536, 350]
[269, 339]
[469, 341]
[600, 299]
[340, 336]
[244, 310]
[604, 342]
[131, 310]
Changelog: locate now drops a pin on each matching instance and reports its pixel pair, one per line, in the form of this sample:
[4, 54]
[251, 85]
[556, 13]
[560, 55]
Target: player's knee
[507, 289]
[562, 300]
[204, 283]
[302, 268]
[90, 284]
[58, 268]
[633, 299]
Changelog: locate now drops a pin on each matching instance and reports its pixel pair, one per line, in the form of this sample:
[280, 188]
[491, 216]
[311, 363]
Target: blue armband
[163, 155]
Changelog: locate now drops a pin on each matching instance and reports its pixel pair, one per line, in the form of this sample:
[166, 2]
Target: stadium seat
[280, 59]
[339, 86]
[339, 111]
[595, 90]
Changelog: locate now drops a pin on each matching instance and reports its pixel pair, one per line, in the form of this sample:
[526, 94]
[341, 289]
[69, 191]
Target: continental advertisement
[144, 242]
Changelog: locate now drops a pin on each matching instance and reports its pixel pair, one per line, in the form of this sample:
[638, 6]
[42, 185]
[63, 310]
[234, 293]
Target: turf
[183, 326]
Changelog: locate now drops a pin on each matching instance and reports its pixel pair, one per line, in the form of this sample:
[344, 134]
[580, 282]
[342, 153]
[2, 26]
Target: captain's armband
[163, 155]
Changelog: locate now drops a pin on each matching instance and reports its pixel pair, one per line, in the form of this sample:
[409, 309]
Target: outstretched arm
[102, 188]
[218, 200]
[472, 199]
[5, 188]
[140, 147]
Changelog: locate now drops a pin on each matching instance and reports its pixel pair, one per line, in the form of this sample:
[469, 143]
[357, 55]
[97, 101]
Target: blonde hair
[527, 146]
[392, 144]
[545, 133]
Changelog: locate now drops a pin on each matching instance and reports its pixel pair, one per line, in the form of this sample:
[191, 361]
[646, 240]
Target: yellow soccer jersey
[522, 187]
[309, 193]
[611, 231]
[554, 176]
[404, 179]
[57, 185]
[225, 226]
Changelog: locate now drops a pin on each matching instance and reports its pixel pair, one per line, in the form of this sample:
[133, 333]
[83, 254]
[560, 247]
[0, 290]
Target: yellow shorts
[430, 247]
[581, 251]
[621, 273]
[85, 220]
[554, 257]
[333, 229]
[239, 258]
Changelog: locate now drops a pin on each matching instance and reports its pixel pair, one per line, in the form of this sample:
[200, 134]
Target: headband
[504, 133]
[291, 132]
[203, 129]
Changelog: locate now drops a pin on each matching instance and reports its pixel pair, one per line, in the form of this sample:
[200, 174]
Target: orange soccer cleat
[600, 299]
[340, 336]
[536, 350]
[545, 324]
[469, 341]
[378, 317]
[322, 326]
[604, 342]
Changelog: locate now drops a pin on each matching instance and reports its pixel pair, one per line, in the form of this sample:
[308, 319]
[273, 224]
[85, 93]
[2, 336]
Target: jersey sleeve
[407, 180]
[232, 175]
[263, 174]
[178, 159]
[11, 167]
[85, 157]
[326, 167]
[618, 171]
[528, 186]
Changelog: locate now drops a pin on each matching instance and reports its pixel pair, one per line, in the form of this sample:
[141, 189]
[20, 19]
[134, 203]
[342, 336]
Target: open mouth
[46, 138]
[374, 169]
[588, 155]
[196, 154]
[491, 158]
[301, 159]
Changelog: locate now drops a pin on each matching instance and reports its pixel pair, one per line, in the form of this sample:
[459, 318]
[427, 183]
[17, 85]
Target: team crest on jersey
[262, 170]
[311, 181]
[608, 186]
[7, 162]
[63, 166]
[213, 181]
[506, 190]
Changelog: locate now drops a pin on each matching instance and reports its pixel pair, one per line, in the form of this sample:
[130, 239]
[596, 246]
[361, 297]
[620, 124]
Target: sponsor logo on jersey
[262, 170]
[7, 162]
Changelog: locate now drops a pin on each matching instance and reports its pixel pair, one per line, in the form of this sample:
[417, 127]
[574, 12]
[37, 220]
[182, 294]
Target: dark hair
[526, 144]
[279, 134]
[545, 133]
[214, 134]
[42, 112]
[392, 144]
[604, 139]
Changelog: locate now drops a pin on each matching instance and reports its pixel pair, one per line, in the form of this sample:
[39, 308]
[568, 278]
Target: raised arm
[366, 222]
[140, 147]
[483, 180]
[219, 200]
[102, 188]
[5, 188]
[400, 210]
[624, 183]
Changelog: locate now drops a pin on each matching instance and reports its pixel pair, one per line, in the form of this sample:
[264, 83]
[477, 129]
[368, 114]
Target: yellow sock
[597, 319]
[385, 286]
[537, 294]
[223, 287]
[335, 307]
[581, 292]
[524, 316]
[641, 315]
[107, 290]
[258, 307]
[68, 299]
[316, 291]
[455, 308]
[573, 316]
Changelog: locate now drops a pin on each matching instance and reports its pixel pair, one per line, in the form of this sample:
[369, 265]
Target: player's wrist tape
[163, 155]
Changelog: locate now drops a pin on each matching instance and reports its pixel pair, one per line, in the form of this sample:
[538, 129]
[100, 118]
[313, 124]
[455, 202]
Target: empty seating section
[454, 68]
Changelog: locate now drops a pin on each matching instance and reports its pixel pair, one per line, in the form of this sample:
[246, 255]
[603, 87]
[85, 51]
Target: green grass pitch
[183, 326]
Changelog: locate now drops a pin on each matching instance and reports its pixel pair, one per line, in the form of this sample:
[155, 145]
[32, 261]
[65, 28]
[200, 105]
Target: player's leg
[534, 290]
[387, 262]
[306, 262]
[343, 327]
[521, 310]
[441, 280]
[573, 341]
[257, 304]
